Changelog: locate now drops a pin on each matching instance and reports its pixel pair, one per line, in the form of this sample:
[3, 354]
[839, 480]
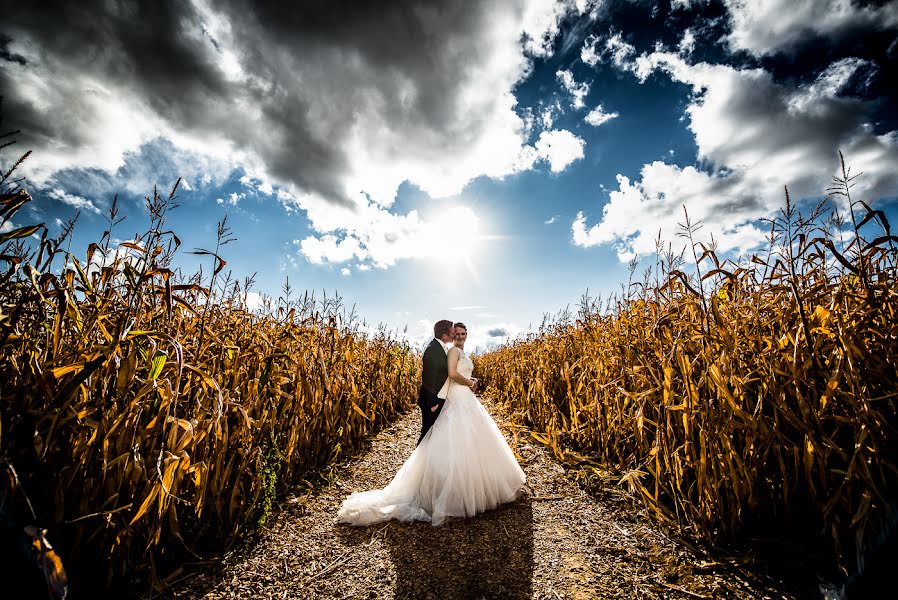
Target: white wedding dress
[462, 467]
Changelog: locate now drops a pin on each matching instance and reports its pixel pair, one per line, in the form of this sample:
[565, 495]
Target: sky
[484, 162]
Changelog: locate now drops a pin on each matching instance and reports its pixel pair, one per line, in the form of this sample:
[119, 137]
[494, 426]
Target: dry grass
[152, 416]
[742, 397]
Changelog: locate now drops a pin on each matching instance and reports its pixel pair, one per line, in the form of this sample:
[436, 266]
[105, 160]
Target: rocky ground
[558, 541]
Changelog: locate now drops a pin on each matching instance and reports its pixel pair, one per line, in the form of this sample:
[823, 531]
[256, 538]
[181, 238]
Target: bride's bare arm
[454, 375]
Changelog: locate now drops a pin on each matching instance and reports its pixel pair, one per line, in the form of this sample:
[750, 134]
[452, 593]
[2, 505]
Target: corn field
[742, 396]
[152, 418]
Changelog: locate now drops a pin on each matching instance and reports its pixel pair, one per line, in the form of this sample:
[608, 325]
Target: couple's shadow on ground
[487, 556]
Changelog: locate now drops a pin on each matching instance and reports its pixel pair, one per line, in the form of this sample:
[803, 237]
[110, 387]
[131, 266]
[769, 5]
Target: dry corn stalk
[778, 403]
[157, 417]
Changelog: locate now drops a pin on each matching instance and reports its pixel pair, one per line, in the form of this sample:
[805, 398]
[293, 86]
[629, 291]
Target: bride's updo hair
[461, 325]
[441, 328]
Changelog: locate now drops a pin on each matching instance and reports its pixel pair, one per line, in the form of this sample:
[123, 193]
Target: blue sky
[482, 162]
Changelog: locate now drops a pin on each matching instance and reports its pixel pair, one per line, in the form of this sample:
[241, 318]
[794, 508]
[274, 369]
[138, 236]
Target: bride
[462, 467]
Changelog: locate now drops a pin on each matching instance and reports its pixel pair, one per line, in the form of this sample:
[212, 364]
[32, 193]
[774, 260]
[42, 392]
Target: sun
[465, 228]
[455, 238]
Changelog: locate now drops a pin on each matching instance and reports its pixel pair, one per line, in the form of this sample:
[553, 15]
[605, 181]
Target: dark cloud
[497, 332]
[782, 26]
[146, 47]
[312, 79]
[6, 55]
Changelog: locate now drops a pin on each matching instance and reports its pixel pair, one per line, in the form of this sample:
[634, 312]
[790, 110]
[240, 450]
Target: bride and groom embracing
[462, 464]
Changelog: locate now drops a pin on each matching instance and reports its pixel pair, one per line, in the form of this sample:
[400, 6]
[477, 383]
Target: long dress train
[462, 467]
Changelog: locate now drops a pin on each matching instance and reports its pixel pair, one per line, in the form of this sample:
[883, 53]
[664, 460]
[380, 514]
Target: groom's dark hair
[441, 328]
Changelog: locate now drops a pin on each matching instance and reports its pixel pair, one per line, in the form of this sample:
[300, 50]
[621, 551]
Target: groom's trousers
[428, 416]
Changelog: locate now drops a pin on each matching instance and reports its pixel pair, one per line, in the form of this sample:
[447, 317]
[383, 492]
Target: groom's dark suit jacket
[433, 376]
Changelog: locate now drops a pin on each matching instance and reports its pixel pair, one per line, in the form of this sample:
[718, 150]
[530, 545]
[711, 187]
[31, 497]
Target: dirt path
[556, 542]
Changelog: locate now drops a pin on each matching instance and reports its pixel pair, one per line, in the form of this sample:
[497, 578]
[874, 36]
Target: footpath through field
[555, 542]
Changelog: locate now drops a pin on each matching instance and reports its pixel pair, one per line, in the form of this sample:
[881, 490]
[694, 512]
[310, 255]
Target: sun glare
[455, 238]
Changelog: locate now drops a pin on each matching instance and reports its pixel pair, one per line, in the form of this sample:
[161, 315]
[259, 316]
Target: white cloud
[590, 53]
[618, 50]
[329, 249]
[373, 236]
[598, 116]
[578, 91]
[551, 220]
[589, 6]
[117, 254]
[541, 24]
[765, 27]
[638, 211]
[687, 43]
[73, 200]
[345, 272]
[253, 301]
[754, 135]
[258, 185]
[559, 148]
[487, 335]
[833, 80]
[420, 332]
[548, 114]
[233, 199]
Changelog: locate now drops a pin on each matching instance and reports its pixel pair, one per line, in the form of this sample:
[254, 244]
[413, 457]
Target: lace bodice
[465, 364]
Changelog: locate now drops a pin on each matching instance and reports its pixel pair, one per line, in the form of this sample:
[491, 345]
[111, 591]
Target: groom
[434, 375]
